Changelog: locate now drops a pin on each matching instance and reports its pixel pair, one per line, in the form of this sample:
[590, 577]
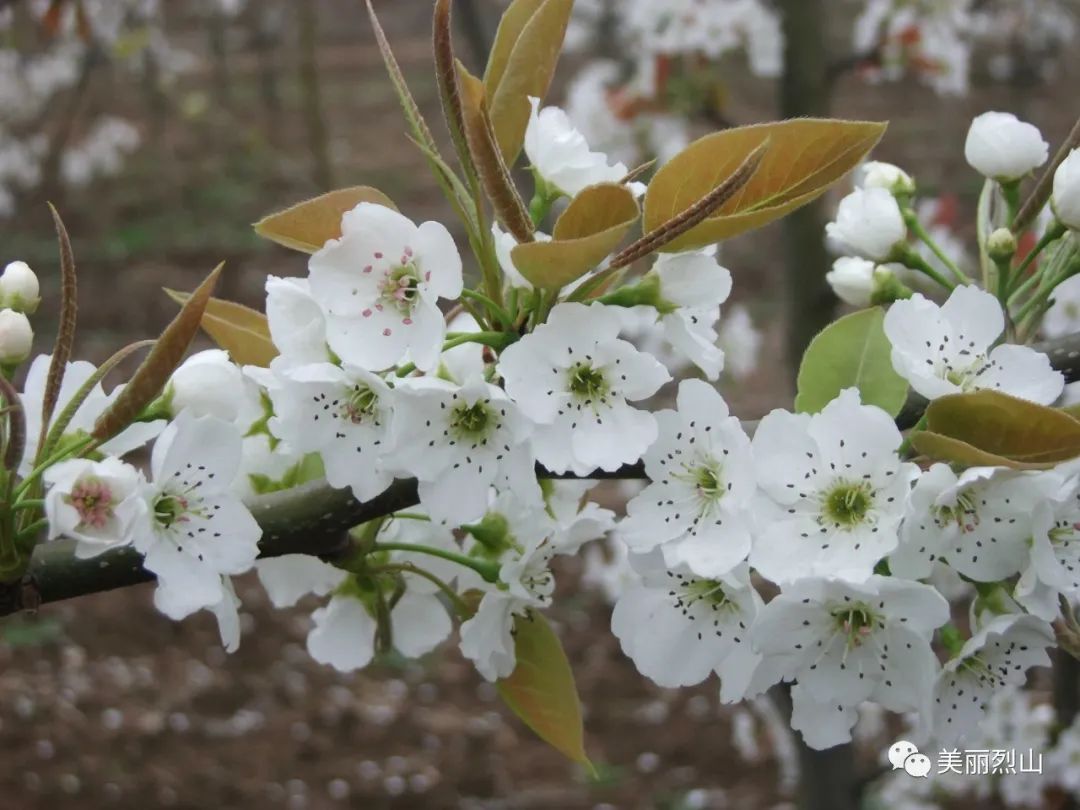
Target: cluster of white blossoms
[805, 550]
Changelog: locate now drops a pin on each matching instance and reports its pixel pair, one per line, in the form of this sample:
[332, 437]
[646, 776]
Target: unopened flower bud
[1002, 147]
[861, 283]
[1066, 195]
[1001, 245]
[16, 337]
[878, 174]
[868, 223]
[19, 289]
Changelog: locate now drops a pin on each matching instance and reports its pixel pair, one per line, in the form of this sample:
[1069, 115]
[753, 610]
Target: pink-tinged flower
[379, 285]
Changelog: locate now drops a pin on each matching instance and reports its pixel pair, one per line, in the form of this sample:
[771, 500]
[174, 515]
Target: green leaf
[589, 229]
[851, 352]
[309, 225]
[529, 66]
[805, 157]
[241, 331]
[541, 689]
[991, 428]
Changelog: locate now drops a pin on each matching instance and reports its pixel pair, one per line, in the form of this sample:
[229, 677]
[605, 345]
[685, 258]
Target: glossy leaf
[241, 331]
[150, 377]
[307, 226]
[989, 427]
[805, 157]
[589, 229]
[851, 352]
[541, 689]
[529, 65]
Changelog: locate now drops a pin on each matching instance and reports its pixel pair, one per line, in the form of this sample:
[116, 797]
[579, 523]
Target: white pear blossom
[868, 223]
[1002, 147]
[379, 285]
[822, 724]
[997, 656]
[947, 349]
[458, 441]
[696, 284]
[1053, 569]
[575, 378]
[19, 288]
[860, 282]
[345, 630]
[341, 412]
[289, 578]
[76, 374]
[227, 614]
[561, 155]
[978, 522]
[98, 503]
[846, 643]
[297, 323]
[852, 279]
[525, 583]
[16, 337]
[878, 174]
[578, 520]
[209, 384]
[702, 473]
[832, 491]
[679, 628]
[198, 529]
[467, 360]
[1065, 197]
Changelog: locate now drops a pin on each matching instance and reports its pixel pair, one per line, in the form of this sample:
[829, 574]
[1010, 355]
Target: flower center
[170, 509]
[962, 513]
[855, 622]
[1063, 532]
[587, 382]
[708, 591]
[471, 421]
[93, 500]
[708, 482]
[400, 287]
[847, 505]
[360, 405]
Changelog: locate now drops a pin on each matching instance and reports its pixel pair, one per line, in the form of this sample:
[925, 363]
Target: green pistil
[587, 382]
[470, 421]
[708, 481]
[706, 590]
[847, 504]
[361, 404]
[169, 509]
